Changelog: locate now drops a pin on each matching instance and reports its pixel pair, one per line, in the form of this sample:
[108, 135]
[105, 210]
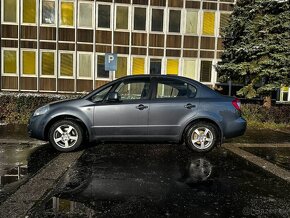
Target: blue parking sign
[110, 62]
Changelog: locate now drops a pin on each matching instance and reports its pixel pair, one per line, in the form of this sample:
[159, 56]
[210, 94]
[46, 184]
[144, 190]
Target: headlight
[41, 110]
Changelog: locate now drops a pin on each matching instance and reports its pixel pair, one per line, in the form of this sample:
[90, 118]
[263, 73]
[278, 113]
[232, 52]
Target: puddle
[165, 181]
[278, 156]
[12, 131]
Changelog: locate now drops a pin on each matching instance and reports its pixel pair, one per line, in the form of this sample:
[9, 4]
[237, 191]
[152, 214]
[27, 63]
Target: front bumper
[35, 127]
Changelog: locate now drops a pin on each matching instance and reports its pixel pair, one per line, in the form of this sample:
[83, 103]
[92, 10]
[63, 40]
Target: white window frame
[59, 64]
[60, 14]
[93, 14]
[133, 20]
[219, 21]
[129, 18]
[96, 69]
[216, 26]
[195, 70]
[145, 63]
[128, 65]
[164, 20]
[55, 15]
[97, 16]
[198, 25]
[179, 65]
[78, 65]
[2, 13]
[213, 72]
[168, 21]
[21, 61]
[281, 95]
[17, 62]
[55, 63]
[36, 14]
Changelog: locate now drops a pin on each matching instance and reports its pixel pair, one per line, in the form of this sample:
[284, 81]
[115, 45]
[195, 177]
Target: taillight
[237, 104]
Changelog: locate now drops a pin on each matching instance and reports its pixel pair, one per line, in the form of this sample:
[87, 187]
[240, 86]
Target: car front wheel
[66, 135]
[202, 137]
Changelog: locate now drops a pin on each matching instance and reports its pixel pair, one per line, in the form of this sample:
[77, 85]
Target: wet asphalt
[128, 180]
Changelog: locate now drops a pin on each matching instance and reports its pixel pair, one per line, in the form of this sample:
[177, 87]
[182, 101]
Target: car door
[128, 117]
[173, 104]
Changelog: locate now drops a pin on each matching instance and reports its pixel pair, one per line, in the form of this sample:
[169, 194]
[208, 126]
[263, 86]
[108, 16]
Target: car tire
[201, 137]
[66, 135]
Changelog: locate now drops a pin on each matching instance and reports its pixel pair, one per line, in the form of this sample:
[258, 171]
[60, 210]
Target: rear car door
[128, 117]
[173, 104]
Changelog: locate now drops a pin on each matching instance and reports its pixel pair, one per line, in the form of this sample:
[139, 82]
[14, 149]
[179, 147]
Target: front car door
[173, 104]
[127, 118]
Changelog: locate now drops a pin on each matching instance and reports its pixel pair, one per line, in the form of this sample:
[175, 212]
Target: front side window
[104, 14]
[10, 11]
[133, 90]
[29, 63]
[174, 89]
[122, 17]
[29, 11]
[48, 12]
[174, 21]
[101, 95]
[10, 62]
[157, 20]
[66, 64]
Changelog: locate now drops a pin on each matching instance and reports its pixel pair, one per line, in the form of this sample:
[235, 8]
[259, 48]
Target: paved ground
[248, 176]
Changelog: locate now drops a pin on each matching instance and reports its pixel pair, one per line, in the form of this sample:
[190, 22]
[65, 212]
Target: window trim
[93, 15]
[55, 15]
[78, 65]
[21, 63]
[60, 14]
[59, 64]
[17, 14]
[17, 62]
[97, 16]
[36, 14]
[55, 63]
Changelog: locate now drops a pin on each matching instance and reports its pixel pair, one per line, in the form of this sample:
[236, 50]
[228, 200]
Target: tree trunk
[267, 102]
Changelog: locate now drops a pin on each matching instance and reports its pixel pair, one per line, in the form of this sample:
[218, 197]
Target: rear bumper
[236, 128]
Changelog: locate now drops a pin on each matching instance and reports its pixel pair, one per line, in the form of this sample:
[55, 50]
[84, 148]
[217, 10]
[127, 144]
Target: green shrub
[16, 108]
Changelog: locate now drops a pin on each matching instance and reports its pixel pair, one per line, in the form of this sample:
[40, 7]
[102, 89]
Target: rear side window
[174, 89]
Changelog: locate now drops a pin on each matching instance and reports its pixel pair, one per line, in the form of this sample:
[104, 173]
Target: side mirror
[114, 97]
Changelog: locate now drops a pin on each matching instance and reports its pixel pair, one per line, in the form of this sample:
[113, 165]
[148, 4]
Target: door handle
[189, 106]
[141, 107]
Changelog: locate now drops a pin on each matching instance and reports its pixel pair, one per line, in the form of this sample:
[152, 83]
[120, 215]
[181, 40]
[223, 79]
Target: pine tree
[257, 47]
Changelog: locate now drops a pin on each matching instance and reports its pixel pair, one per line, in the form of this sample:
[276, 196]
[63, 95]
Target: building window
[224, 21]
[85, 15]
[140, 19]
[121, 67]
[9, 62]
[48, 12]
[66, 65]
[85, 65]
[122, 17]
[205, 71]
[10, 11]
[104, 14]
[48, 63]
[155, 66]
[191, 22]
[29, 11]
[172, 66]
[29, 63]
[157, 20]
[284, 96]
[189, 69]
[174, 21]
[101, 72]
[208, 23]
[67, 14]
[138, 66]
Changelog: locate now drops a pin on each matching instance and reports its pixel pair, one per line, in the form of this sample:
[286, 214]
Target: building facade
[60, 45]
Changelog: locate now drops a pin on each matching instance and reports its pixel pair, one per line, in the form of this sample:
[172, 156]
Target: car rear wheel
[201, 137]
[66, 135]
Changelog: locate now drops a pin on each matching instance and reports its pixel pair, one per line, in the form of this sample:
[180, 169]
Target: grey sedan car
[147, 108]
